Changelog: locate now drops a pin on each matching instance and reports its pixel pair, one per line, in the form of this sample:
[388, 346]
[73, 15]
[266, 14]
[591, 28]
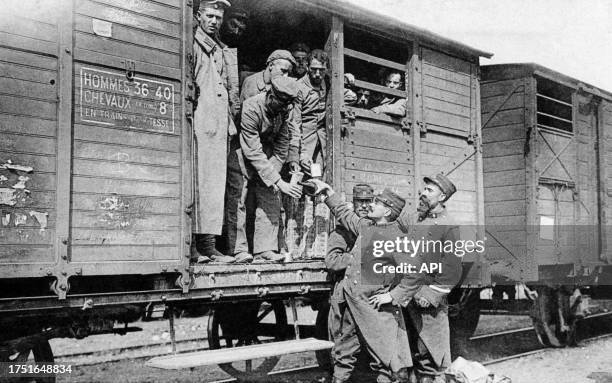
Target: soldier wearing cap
[300, 52]
[264, 140]
[425, 300]
[216, 106]
[339, 245]
[382, 328]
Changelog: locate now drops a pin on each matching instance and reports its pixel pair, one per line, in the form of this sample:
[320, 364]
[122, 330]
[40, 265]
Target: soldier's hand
[424, 303]
[294, 166]
[322, 187]
[291, 190]
[380, 299]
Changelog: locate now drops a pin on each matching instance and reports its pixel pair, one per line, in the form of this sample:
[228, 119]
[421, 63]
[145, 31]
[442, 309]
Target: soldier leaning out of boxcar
[393, 106]
[264, 143]
[382, 328]
[424, 302]
[216, 106]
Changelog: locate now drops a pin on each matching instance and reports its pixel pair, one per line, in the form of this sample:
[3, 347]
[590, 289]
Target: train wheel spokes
[237, 325]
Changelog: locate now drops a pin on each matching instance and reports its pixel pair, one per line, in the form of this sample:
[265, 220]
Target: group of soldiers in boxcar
[247, 132]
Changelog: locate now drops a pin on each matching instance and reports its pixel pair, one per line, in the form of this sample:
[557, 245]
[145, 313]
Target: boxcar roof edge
[512, 70]
[385, 23]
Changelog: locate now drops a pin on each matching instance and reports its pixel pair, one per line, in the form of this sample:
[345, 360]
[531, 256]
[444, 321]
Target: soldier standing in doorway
[309, 111]
[264, 143]
[217, 104]
[300, 53]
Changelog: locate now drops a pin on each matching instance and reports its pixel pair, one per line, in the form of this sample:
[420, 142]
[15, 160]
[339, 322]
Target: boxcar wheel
[554, 325]
[236, 325]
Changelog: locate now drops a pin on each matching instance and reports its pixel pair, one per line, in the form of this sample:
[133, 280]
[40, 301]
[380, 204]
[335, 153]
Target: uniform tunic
[431, 324]
[216, 76]
[383, 330]
[264, 142]
[309, 114]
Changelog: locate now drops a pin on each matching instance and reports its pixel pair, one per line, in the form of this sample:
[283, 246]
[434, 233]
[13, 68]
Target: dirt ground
[591, 362]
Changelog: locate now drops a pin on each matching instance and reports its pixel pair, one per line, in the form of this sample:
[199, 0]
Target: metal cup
[296, 177]
[316, 171]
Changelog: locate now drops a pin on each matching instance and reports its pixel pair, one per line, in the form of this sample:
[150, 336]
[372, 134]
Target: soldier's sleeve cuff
[270, 176]
[294, 154]
[433, 296]
[334, 200]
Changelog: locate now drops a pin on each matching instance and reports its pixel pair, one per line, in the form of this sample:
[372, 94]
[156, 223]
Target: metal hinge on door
[130, 69]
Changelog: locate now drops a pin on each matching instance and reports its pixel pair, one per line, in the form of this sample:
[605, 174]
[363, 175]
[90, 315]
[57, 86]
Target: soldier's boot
[205, 245]
[269, 256]
[243, 257]
[404, 376]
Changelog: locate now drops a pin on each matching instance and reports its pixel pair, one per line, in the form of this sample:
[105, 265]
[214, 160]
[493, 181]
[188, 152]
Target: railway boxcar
[95, 158]
[546, 148]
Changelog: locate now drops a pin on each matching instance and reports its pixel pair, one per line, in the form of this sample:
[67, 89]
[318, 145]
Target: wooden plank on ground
[227, 355]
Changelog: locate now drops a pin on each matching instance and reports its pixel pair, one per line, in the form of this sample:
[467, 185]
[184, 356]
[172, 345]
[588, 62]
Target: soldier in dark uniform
[379, 329]
[427, 313]
[339, 245]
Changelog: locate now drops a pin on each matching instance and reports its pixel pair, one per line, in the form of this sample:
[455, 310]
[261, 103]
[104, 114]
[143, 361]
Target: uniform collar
[261, 82]
[207, 43]
[439, 214]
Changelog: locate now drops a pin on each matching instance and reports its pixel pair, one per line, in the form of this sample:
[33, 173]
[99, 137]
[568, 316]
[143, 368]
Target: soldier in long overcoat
[339, 246]
[425, 301]
[382, 328]
[217, 103]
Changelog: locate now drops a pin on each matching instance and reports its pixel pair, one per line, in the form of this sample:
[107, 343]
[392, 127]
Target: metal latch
[130, 69]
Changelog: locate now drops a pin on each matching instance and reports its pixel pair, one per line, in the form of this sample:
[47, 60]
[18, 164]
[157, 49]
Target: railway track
[150, 350]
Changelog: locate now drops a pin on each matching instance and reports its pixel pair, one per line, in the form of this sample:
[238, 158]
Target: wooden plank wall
[28, 131]
[447, 91]
[504, 135]
[380, 154]
[126, 184]
[605, 145]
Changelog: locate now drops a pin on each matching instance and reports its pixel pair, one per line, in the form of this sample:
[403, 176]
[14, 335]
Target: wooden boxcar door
[557, 177]
[604, 141]
[29, 81]
[130, 172]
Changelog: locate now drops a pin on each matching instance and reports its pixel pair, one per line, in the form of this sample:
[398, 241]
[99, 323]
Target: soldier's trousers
[253, 211]
[344, 334]
[347, 344]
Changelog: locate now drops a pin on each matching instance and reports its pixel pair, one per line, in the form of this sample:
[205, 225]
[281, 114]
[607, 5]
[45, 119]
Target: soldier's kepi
[216, 106]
